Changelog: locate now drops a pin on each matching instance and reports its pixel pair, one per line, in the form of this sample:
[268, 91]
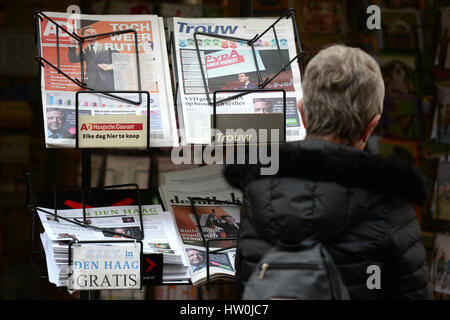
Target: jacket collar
[320, 160]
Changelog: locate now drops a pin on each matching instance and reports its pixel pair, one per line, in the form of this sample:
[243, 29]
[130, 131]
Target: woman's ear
[361, 143]
[302, 112]
[370, 127]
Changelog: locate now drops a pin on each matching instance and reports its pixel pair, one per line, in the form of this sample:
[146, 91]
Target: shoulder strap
[338, 288]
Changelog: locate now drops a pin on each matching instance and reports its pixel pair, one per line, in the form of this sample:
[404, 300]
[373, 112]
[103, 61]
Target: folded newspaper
[233, 65]
[108, 63]
[206, 209]
[160, 236]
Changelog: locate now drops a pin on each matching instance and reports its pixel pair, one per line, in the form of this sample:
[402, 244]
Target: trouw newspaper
[231, 65]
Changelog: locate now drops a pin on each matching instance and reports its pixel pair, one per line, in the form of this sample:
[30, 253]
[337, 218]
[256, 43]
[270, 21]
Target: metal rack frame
[39, 16]
[251, 42]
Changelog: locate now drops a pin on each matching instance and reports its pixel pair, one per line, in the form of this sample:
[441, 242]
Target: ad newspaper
[209, 219]
[109, 64]
[231, 65]
[116, 223]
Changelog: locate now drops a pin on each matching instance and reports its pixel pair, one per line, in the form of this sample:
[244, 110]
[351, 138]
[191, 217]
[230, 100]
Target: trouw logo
[189, 28]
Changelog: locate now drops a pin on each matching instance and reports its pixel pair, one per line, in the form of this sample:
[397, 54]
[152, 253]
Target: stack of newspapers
[205, 209]
[111, 224]
[111, 63]
[232, 64]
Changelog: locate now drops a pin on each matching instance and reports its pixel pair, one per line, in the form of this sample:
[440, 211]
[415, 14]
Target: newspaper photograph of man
[196, 258]
[245, 82]
[262, 105]
[99, 65]
[56, 121]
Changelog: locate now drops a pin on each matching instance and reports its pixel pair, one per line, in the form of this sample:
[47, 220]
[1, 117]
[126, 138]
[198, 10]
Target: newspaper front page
[214, 217]
[110, 63]
[232, 65]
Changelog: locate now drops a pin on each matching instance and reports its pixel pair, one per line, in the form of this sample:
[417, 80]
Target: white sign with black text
[104, 267]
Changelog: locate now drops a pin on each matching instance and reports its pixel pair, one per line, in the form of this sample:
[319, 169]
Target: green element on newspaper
[291, 121]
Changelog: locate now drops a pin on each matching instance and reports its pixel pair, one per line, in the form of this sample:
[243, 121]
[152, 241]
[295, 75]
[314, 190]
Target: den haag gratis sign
[105, 266]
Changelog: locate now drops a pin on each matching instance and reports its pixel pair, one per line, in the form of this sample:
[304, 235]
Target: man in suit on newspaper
[99, 68]
[229, 226]
[244, 79]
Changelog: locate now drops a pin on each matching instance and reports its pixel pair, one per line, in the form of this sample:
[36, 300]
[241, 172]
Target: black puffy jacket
[359, 205]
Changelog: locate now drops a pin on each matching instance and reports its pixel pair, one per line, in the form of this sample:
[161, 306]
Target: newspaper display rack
[107, 216]
[85, 190]
[35, 202]
[32, 201]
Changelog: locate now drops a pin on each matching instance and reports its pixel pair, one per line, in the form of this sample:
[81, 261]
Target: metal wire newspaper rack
[262, 83]
[62, 194]
[54, 197]
[39, 16]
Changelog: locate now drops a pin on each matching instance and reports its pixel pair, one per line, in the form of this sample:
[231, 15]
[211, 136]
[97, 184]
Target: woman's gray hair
[342, 91]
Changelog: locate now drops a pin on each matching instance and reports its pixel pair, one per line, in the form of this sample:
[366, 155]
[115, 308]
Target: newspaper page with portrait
[215, 217]
[232, 65]
[109, 64]
[160, 235]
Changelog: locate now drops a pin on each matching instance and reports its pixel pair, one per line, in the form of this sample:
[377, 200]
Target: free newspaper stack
[160, 236]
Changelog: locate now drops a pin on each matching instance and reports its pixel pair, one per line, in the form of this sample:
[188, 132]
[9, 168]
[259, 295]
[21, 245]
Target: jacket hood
[339, 185]
[319, 160]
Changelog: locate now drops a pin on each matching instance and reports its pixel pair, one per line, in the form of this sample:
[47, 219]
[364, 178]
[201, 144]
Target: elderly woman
[359, 205]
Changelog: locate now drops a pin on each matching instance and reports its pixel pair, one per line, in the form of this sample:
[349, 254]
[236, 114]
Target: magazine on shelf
[110, 64]
[206, 209]
[117, 224]
[440, 273]
[399, 73]
[442, 56]
[323, 17]
[402, 30]
[441, 201]
[232, 65]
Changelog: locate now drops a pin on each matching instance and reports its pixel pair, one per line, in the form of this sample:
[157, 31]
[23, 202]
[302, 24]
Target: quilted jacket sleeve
[406, 267]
